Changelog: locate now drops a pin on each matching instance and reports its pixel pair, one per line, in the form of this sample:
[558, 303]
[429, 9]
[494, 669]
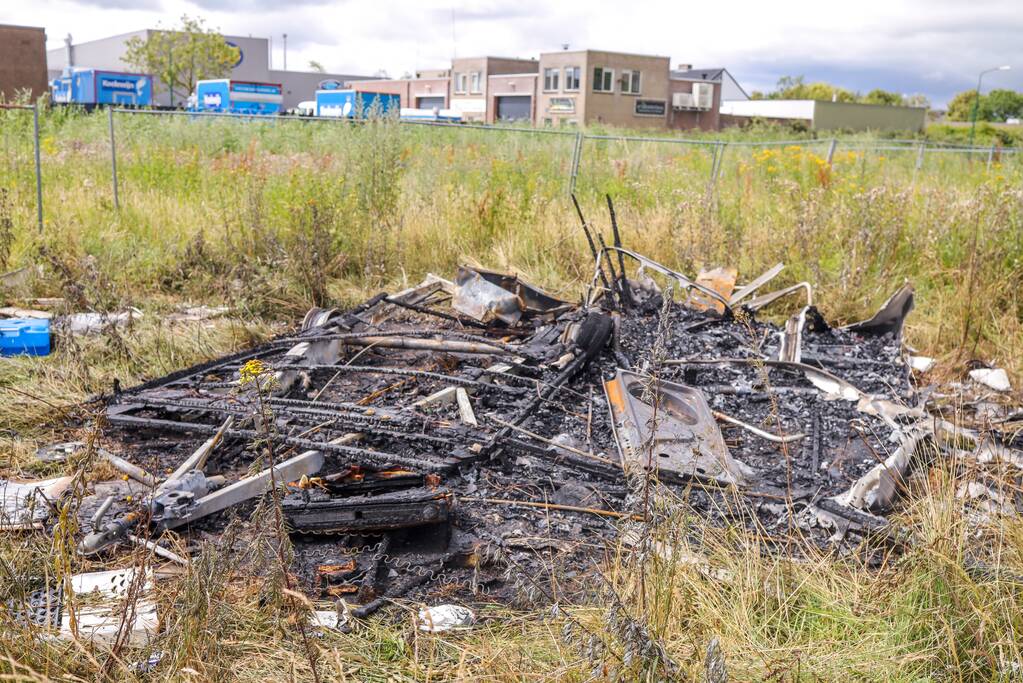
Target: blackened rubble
[441, 441]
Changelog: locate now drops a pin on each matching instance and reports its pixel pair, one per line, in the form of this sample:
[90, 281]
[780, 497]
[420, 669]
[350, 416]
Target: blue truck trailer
[355, 103]
[95, 86]
[238, 97]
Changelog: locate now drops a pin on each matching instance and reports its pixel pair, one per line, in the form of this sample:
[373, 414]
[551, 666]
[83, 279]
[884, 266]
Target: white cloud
[932, 46]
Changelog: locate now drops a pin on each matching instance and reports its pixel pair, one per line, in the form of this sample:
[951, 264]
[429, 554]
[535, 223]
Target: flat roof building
[471, 93]
[825, 115]
[22, 61]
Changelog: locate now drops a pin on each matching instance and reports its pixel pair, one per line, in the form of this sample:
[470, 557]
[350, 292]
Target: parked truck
[237, 97]
[355, 103]
[87, 86]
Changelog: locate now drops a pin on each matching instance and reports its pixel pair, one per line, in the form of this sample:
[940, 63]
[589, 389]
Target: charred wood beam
[355, 455]
[324, 514]
[624, 282]
[589, 240]
[402, 372]
[446, 334]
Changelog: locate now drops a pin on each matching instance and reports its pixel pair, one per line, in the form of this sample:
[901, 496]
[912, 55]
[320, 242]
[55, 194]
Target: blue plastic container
[24, 336]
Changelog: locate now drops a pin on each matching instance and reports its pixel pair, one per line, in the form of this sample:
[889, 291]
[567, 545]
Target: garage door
[430, 102]
[514, 108]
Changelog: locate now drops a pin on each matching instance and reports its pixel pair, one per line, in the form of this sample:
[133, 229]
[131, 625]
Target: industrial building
[566, 88]
[825, 115]
[254, 62]
[22, 61]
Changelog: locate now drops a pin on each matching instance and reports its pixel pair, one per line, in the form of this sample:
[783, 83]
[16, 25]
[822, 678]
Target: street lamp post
[976, 99]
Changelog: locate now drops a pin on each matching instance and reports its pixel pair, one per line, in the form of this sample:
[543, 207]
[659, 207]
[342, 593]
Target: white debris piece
[327, 619]
[921, 363]
[995, 378]
[445, 618]
[482, 300]
[94, 323]
[465, 411]
[23, 505]
[100, 613]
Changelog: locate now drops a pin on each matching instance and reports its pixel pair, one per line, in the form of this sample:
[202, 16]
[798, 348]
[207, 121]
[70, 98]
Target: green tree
[316, 66]
[878, 96]
[999, 105]
[796, 88]
[961, 106]
[180, 57]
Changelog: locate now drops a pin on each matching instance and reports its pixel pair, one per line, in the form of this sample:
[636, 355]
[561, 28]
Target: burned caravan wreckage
[451, 437]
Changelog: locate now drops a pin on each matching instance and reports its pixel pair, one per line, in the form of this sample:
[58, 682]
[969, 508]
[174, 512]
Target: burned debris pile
[464, 438]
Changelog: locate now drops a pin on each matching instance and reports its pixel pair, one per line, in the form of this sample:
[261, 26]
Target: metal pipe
[158, 550]
[133, 471]
[756, 430]
[101, 511]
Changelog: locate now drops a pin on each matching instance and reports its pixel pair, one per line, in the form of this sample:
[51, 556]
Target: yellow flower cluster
[252, 370]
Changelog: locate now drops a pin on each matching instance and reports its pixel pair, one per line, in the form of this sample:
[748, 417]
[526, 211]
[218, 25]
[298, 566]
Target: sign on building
[651, 107]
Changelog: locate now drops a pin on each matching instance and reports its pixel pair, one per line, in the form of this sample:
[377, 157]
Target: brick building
[566, 88]
[22, 61]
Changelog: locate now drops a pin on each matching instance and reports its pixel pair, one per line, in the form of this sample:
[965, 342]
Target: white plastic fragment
[23, 505]
[921, 363]
[445, 618]
[877, 488]
[833, 389]
[995, 378]
[101, 614]
[327, 619]
[90, 323]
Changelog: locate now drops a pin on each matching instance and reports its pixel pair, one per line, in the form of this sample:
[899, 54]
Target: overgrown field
[270, 218]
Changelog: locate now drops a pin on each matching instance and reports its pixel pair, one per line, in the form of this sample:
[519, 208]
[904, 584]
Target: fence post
[990, 157]
[920, 155]
[113, 158]
[718, 160]
[577, 152]
[39, 166]
[713, 163]
[831, 150]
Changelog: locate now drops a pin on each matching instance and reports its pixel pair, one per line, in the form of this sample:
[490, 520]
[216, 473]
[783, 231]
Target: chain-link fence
[557, 161]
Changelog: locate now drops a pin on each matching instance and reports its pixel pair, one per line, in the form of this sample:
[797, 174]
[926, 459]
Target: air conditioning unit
[683, 100]
[703, 93]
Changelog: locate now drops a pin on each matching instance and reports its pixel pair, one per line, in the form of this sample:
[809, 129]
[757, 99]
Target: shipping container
[238, 97]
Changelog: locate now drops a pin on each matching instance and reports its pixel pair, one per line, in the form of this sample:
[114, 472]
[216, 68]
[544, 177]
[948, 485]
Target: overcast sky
[935, 47]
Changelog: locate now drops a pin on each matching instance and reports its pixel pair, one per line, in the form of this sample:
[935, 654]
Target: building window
[561, 105]
[459, 82]
[572, 78]
[550, 79]
[603, 79]
[630, 82]
[476, 82]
